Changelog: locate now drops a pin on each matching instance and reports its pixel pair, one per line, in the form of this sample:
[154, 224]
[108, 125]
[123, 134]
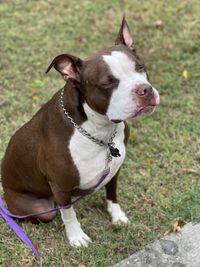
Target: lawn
[159, 182]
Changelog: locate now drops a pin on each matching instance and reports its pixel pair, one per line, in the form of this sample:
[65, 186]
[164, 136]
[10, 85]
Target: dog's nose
[144, 90]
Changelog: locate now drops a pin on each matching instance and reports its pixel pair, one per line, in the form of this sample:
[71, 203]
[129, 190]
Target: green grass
[159, 181]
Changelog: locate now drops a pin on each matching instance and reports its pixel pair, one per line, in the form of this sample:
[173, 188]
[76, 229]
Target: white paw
[75, 234]
[79, 239]
[118, 216]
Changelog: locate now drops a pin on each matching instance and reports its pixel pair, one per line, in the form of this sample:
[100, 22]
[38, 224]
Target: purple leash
[7, 215]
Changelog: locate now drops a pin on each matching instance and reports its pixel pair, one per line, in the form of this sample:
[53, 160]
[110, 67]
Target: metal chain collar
[85, 133]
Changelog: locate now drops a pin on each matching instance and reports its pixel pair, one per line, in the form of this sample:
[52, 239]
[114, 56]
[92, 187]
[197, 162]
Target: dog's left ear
[69, 66]
[124, 36]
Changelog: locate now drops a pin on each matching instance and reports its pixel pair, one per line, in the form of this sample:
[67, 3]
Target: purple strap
[21, 234]
[7, 215]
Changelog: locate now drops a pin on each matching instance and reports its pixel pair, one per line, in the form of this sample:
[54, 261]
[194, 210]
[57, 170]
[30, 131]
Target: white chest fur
[90, 158]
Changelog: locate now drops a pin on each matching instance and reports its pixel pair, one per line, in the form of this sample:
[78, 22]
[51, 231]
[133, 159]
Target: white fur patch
[90, 158]
[75, 234]
[122, 104]
[118, 216]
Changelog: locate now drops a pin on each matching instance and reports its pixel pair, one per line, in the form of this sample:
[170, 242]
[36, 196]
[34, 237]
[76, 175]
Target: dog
[64, 149]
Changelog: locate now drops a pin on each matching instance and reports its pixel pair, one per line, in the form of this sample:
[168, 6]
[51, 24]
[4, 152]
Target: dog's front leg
[75, 234]
[117, 214]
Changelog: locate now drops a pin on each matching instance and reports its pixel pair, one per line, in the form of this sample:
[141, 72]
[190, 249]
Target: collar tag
[113, 150]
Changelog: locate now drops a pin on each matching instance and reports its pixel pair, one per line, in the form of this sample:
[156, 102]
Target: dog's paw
[76, 236]
[118, 216]
[80, 239]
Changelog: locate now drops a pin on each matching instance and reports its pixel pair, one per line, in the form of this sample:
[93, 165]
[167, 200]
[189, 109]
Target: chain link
[84, 132]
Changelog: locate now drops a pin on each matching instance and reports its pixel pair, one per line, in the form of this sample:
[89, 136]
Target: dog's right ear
[69, 66]
[124, 36]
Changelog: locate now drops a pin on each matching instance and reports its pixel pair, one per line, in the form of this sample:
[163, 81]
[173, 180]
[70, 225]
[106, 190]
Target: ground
[159, 181]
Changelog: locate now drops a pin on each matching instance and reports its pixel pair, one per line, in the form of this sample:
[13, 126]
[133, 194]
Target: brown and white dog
[49, 161]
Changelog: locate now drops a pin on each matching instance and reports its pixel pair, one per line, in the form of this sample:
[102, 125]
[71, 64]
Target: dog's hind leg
[23, 204]
[117, 214]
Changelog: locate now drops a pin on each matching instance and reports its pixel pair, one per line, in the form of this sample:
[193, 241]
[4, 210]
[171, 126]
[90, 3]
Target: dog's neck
[95, 123]
[98, 125]
[96, 118]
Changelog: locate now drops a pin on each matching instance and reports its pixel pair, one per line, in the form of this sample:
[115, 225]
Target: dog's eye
[140, 67]
[110, 83]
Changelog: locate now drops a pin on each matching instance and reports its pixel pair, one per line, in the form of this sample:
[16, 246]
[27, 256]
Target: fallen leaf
[159, 24]
[178, 225]
[81, 265]
[185, 74]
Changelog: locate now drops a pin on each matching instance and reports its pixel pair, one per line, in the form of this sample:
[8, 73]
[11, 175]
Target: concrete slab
[180, 249]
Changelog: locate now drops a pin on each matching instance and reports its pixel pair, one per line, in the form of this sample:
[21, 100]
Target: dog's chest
[90, 158]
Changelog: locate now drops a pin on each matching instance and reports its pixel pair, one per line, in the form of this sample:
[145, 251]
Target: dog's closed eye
[140, 67]
[109, 83]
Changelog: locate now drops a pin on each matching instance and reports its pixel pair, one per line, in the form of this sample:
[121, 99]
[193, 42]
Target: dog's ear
[124, 36]
[69, 66]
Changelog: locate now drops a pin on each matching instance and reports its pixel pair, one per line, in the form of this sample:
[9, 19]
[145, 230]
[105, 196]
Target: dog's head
[114, 81]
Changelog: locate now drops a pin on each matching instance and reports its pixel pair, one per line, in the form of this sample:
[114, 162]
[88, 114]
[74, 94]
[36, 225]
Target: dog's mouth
[145, 111]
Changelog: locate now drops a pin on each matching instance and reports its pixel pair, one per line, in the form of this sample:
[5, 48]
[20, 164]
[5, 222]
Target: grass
[159, 181]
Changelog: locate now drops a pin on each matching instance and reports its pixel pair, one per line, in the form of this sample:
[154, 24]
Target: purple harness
[7, 215]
